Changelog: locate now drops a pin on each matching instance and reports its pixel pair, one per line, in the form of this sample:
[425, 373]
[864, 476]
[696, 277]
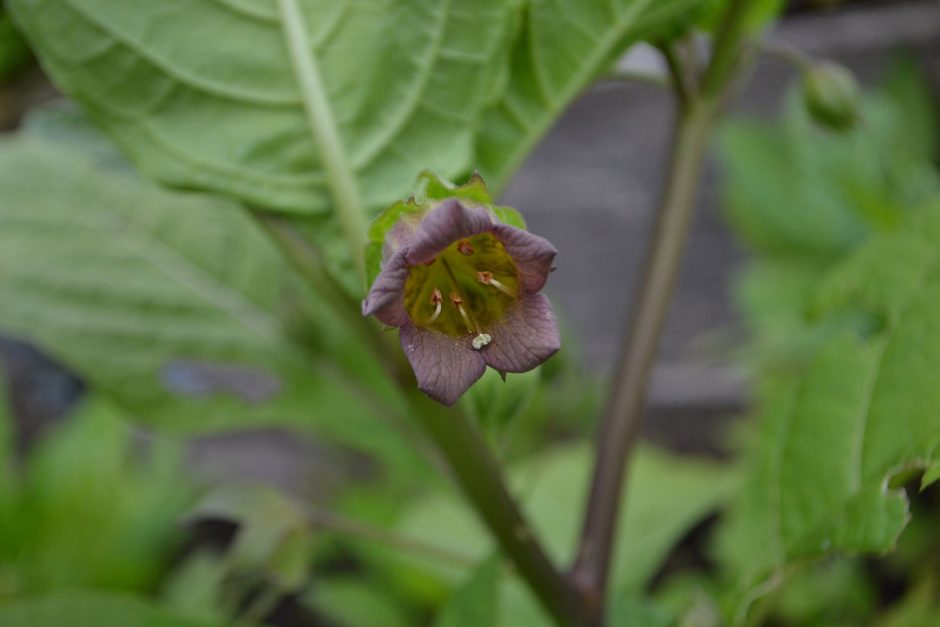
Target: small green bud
[832, 96]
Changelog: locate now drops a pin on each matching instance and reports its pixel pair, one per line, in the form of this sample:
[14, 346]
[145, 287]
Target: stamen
[436, 300]
[458, 303]
[486, 278]
[481, 340]
[464, 247]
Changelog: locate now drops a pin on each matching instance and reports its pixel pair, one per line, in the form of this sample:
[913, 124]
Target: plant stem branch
[627, 404]
[478, 474]
[794, 56]
[682, 81]
[727, 49]
[308, 262]
[354, 528]
[340, 176]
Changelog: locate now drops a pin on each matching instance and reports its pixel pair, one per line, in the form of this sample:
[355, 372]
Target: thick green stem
[479, 476]
[627, 404]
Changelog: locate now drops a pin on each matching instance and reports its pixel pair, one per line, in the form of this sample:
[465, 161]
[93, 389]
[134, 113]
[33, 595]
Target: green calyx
[431, 190]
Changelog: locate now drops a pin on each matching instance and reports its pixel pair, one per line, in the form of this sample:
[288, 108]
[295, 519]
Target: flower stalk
[475, 470]
[620, 427]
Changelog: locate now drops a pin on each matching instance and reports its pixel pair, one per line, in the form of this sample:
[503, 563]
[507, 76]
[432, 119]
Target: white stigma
[481, 340]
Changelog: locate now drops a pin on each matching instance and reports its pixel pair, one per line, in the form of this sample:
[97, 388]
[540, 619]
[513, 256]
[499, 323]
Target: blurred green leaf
[792, 190]
[92, 507]
[667, 496]
[195, 588]
[224, 108]
[866, 410]
[562, 47]
[802, 199]
[274, 536]
[474, 603]
[494, 402]
[351, 602]
[931, 475]
[85, 609]
[833, 593]
[760, 14]
[14, 53]
[920, 607]
[174, 305]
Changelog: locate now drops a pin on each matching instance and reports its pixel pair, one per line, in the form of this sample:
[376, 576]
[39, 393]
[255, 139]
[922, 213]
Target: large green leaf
[172, 304]
[221, 95]
[563, 47]
[84, 609]
[667, 496]
[864, 416]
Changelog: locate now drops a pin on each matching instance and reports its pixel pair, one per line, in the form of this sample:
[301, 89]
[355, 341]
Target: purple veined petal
[445, 224]
[533, 256]
[385, 299]
[400, 235]
[525, 337]
[445, 366]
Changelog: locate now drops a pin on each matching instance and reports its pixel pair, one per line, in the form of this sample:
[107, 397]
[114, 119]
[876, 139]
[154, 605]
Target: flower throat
[465, 289]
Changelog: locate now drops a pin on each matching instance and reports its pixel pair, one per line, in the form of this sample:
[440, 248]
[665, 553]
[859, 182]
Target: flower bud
[831, 94]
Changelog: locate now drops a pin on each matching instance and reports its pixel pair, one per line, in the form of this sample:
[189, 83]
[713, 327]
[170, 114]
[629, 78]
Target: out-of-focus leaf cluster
[842, 303]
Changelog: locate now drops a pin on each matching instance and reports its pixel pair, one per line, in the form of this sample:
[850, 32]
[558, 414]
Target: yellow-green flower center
[463, 290]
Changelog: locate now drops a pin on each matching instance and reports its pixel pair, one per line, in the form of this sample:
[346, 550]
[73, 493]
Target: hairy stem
[309, 264]
[625, 410]
[480, 477]
[342, 180]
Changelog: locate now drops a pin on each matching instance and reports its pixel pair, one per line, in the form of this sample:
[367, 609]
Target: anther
[464, 247]
[486, 278]
[436, 300]
[457, 301]
[481, 340]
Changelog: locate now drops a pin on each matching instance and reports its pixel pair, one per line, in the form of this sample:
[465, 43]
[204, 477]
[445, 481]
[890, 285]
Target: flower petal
[400, 235]
[533, 255]
[525, 337]
[445, 366]
[385, 299]
[444, 225]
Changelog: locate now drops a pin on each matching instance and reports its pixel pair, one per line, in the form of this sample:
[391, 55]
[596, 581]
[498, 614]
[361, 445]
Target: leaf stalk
[341, 178]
